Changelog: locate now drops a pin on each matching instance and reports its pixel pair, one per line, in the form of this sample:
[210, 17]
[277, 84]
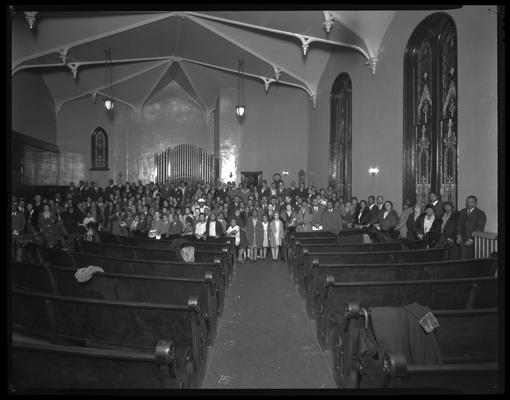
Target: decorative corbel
[372, 63]
[30, 17]
[277, 72]
[267, 82]
[305, 42]
[139, 114]
[175, 59]
[58, 107]
[314, 100]
[74, 68]
[94, 97]
[62, 54]
[209, 117]
[328, 23]
[179, 14]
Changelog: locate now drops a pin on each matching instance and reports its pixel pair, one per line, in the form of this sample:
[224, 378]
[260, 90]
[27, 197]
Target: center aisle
[265, 340]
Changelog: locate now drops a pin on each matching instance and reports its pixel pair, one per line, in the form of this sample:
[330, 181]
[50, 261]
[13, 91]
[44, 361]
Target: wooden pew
[202, 254]
[160, 244]
[364, 257]
[303, 250]
[467, 340]
[473, 292]
[117, 325]
[315, 288]
[290, 237]
[138, 267]
[347, 237]
[121, 287]
[200, 245]
[49, 366]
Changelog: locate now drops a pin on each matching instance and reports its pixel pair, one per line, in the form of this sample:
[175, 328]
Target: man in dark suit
[38, 208]
[373, 210]
[302, 192]
[438, 206]
[180, 193]
[332, 219]
[109, 189]
[449, 230]
[71, 190]
[96, 191]
[380, 203]
[264, 190]
[317, 212]
[17, 227]
[213, 228]
[22, 209]
[293, 190]
[471, 219]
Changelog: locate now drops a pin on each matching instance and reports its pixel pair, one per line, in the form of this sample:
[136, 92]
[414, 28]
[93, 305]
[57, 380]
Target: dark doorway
[251, 178]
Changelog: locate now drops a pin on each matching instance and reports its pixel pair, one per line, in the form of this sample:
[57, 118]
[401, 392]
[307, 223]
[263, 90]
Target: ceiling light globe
[240, 110]
[109, 104]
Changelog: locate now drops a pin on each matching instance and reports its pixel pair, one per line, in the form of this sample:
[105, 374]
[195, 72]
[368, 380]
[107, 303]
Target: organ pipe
[185, 162]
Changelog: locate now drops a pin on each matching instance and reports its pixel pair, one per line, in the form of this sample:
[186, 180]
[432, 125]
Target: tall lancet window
[430, 111]
[99, 149]
[340, 143]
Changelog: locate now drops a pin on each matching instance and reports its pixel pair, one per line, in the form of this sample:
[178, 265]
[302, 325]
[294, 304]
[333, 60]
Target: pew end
[467, 378]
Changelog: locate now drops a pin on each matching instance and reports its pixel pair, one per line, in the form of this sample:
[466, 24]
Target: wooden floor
[265, 340]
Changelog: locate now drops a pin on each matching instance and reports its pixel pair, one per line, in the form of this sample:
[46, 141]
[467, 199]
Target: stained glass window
[340, 145]
[99, 149]
[430, 110]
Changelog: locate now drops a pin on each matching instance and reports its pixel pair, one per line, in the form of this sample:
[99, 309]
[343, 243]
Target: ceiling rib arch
[123, 79]
[63, 49]
[265, 39]
[249, 50]
[305, 39]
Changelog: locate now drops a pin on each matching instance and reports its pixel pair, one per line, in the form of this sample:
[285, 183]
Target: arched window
[430, 111]
[99, 149]
[340, 144]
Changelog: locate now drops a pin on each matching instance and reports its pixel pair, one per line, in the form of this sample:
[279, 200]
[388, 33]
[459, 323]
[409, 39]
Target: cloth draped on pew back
[398, 329]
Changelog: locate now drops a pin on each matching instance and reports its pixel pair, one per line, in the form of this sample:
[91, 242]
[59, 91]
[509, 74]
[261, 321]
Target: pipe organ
[184, 162]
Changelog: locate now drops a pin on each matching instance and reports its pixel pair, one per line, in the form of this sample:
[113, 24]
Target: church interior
[226, 134]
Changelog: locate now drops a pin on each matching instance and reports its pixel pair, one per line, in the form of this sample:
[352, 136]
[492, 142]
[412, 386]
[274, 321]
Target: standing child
[243, 245]
[276, 229]
[235, 231]
[265, 237]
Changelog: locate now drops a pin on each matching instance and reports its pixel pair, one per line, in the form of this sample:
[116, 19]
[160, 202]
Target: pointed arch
[340, 145]
[430, 111]
[99, 150]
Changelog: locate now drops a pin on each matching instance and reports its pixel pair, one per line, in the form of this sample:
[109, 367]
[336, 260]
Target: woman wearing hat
[428, 226]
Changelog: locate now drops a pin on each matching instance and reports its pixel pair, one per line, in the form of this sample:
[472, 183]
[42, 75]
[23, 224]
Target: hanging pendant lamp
[108, 100]
[240, 108]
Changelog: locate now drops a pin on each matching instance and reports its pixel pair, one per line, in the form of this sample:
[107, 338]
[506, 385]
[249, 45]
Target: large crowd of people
[257, 217]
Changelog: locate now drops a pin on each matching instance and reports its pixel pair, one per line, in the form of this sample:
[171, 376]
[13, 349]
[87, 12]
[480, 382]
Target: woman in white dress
[265, 237]
[276, 229]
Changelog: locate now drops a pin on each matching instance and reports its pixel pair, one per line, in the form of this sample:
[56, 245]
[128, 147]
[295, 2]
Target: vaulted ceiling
[199, 51]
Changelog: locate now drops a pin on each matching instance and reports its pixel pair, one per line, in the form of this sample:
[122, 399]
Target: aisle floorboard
[265, 339]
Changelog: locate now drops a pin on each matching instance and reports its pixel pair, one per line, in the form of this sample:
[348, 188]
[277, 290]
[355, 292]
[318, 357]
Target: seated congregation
[123, 287]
